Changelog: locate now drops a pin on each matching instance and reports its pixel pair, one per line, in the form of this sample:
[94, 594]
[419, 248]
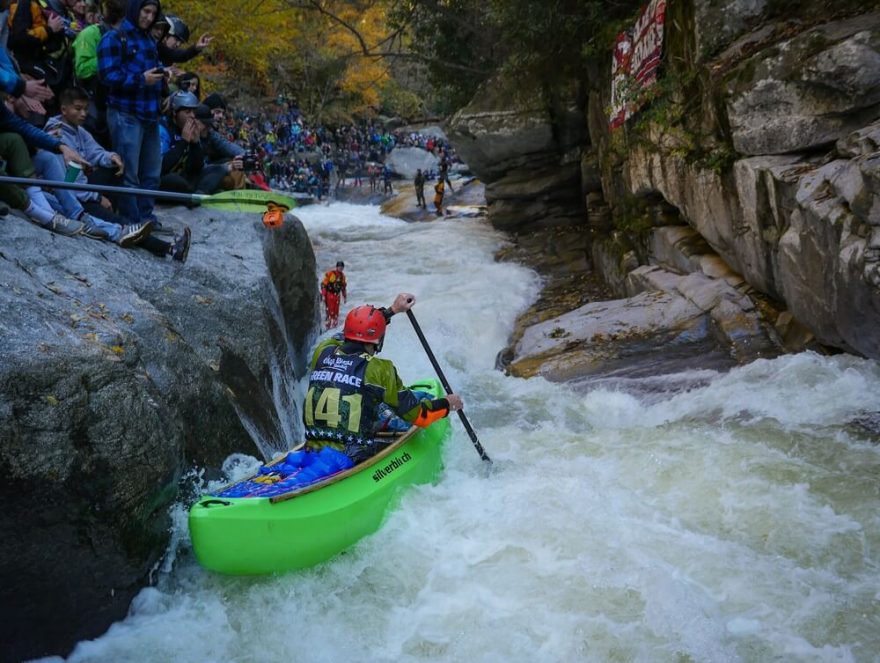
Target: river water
[737, 520]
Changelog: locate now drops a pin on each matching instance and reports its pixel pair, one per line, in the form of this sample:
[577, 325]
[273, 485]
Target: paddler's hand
[455, 402]
[403, 302]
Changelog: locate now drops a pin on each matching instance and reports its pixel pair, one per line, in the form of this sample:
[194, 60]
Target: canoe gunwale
[339, 476]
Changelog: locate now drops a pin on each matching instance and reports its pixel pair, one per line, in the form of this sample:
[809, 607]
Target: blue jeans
[50, 166]
[137, 142]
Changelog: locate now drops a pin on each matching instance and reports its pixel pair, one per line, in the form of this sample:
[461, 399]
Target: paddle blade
[246, 200]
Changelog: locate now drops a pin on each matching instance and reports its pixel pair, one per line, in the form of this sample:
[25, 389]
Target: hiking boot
[62, 225]
[134, 233]
[180, 248]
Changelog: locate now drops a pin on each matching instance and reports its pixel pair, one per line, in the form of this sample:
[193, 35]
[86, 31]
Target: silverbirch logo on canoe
[383, 472]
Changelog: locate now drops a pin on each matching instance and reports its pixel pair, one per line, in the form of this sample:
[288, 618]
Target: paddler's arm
[419, 411]
[403, 302]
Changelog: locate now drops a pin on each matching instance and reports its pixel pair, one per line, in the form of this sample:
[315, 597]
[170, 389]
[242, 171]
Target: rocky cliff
[755, 167]
[119, 372]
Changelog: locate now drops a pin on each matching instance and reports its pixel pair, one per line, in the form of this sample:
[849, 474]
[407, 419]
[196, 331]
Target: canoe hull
[252, 536]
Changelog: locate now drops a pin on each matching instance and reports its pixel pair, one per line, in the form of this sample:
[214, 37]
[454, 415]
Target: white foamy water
[739, 521]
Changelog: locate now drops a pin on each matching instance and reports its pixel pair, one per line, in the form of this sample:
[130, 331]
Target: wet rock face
[110, 390]
[527, 151]
[808, 91]
[802, 229]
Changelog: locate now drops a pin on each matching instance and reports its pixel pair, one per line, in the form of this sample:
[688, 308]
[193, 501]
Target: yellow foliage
[271, 47]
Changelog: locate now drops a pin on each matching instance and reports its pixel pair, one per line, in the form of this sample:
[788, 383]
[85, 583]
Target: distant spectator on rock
[444, 171]
[386, 181]
[419, 186]
[439, 190]
[373, 174]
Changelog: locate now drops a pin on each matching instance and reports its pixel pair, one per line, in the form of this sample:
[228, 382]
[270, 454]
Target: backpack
[96, 121]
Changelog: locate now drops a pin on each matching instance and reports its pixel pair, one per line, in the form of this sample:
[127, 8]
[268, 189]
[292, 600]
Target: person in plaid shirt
[128, 64]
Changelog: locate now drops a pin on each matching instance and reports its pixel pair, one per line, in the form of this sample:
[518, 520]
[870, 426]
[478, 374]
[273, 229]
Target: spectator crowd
[95, 93]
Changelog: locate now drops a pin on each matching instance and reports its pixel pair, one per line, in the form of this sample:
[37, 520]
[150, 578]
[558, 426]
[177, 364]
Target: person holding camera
[219, 151]
[184, 158]
[128, 64]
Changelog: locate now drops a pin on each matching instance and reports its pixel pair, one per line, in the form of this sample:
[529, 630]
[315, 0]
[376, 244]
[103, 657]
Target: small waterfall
[268, 404]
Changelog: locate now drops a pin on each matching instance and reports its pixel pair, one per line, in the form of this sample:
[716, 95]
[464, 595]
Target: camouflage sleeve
[409, 405]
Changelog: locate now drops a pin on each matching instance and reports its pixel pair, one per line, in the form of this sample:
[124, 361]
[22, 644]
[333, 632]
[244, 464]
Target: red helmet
[365, 324]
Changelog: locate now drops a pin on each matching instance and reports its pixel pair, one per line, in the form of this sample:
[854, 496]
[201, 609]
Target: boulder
[527, 150]
[115, 381]
[808, 91]
[404, 161]
[799, 229]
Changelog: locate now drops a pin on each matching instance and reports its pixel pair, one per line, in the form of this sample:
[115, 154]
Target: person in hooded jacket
[172, 49]
[128, 64]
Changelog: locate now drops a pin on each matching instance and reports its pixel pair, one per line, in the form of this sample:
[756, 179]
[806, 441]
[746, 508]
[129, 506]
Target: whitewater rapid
[735, 521]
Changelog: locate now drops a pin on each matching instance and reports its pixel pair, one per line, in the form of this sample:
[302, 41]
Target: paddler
[348, 384]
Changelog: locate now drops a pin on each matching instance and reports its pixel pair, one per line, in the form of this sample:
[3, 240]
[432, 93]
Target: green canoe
[259, 535]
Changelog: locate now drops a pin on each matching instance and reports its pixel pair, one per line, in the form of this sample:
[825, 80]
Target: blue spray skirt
[297, 470]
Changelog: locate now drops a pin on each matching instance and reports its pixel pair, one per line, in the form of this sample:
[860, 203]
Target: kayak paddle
[461, 414]
[237, 200]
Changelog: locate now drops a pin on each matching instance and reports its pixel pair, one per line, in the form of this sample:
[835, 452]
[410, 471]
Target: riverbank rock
[405, 161]
[527, 150]
[115, 380]
[466, 197]
[762, 137]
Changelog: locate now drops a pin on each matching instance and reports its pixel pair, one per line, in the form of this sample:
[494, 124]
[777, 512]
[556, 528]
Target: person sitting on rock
[221, 152]
[183, 156]
[108, 166]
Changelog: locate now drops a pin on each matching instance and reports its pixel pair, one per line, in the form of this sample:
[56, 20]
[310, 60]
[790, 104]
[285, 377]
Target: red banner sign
[636, 57]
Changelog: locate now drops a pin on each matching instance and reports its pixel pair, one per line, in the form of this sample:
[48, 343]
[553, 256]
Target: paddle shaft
[461, 414]
[74, 186]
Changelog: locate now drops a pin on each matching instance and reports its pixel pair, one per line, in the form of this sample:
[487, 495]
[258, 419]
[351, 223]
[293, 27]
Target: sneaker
[133, 233]
[180, 248]
[63, 226]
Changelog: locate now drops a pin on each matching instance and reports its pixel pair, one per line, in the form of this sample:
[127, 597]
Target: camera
[250, 162]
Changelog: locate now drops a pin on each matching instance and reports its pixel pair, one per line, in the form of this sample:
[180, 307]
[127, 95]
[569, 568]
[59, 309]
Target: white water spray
[734, 521]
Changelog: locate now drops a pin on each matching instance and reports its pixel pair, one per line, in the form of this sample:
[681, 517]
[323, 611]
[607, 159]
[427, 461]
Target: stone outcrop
[120, 371]
[806, 92]
[686, 310]
[404, 161]
[527, 151]
[763, 144]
